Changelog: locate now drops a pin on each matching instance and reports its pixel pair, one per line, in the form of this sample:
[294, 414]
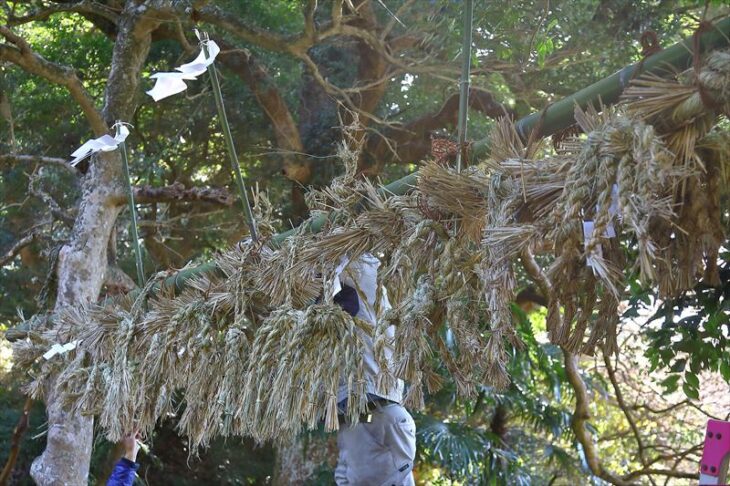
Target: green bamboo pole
[242, 191]
[464, 83]
[559, 116]
[133, 212]
[556, 118]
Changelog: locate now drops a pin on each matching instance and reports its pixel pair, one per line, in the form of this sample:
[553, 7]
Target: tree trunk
[81, 270]
[82, 262]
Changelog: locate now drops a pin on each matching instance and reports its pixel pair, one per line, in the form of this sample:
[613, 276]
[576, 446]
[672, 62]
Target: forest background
[293, 73]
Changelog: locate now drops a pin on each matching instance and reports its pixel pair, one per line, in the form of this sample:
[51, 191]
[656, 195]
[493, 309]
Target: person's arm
[126, 468]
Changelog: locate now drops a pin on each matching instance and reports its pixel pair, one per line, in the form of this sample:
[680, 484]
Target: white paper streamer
[336, 282]
[105, 143]
[610, 231]
[169, 84]
[60, 349]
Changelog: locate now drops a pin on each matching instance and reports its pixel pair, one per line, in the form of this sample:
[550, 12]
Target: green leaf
[713, 323]
[692, 393]
[692, 380]
[544, 48]
[670, 383]
[725, 370]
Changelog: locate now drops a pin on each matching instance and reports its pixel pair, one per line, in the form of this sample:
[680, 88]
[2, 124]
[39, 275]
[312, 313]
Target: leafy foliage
[692, 335]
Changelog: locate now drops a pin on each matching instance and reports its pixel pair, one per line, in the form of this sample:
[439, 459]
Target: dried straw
[249, 352]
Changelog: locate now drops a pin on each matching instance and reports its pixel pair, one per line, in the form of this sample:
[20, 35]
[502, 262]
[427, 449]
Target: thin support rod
[133, 212]
[242, 191]
[464, 84]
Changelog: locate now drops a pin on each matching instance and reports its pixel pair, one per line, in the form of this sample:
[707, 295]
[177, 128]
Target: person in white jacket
[380, 449]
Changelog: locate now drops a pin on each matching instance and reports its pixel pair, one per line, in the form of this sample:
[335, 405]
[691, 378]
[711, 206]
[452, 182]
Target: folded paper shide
[596, 253]
[105, 143]
[169, 84]
[60, 349]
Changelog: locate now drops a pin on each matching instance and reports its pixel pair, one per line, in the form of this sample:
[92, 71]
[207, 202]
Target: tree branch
[82, 7]
[55, 209]
[579, 419]
[10, 159]
[23, 56]
[179, 193]
[17, 247]
[625, 409]
[252, 34]
[288, 138]
[413, 139]
[15, 441]
[309, 27]
[660, 472]
[299, 45]
[394, 18]
[130, 52]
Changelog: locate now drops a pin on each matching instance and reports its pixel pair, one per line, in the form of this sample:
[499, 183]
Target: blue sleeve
[123, 473]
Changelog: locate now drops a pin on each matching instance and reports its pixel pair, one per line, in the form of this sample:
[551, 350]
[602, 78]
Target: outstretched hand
[131, 446]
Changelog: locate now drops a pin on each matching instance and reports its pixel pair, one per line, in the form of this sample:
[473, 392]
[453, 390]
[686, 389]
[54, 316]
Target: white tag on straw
[337, 284]
[60, 349]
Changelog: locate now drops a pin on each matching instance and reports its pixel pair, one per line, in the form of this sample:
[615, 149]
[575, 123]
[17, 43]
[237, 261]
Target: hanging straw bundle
[438, 184]
[684, 109]
[290, 384]
[250, 352]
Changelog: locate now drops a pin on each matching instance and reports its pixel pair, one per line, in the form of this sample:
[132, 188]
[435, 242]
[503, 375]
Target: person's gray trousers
[379, 452]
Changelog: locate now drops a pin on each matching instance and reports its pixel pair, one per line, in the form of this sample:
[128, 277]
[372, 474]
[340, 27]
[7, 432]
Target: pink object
[716, 453]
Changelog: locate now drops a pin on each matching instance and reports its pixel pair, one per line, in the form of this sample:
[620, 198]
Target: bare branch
[336, 13]
[82, 7]
[581, 416]
[309, 11]
[299, 45]
[288, 138]
[55, 209]
[15, 441]
[179, 193]
[394, 18]
[255, 35]
[10, 159]
[17, 247]
[6, 112]
[413, 139]
[660, 472]
[625, 409]
[338, 92]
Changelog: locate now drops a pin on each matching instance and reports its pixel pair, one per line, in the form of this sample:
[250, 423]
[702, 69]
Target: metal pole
[133, 211]
[464, 83]
[243, 193]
